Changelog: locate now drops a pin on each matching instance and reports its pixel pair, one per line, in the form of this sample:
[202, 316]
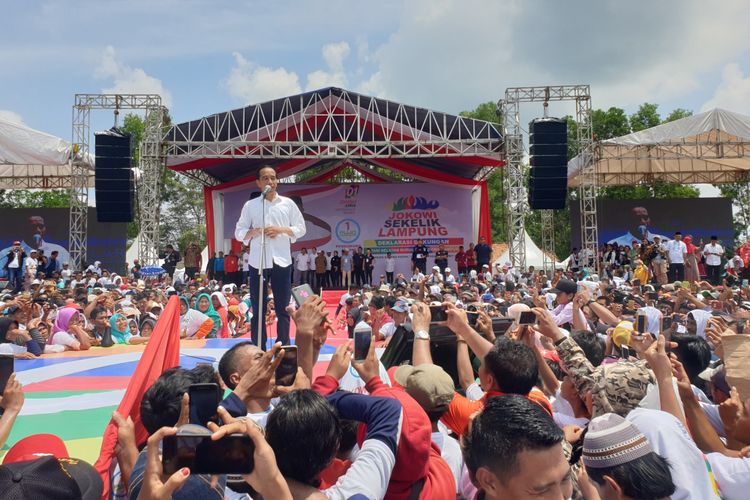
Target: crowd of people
[325, 269]
[613, 387]
[660, 260]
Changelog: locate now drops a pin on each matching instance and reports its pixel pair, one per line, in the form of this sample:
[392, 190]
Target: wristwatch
[422, 335]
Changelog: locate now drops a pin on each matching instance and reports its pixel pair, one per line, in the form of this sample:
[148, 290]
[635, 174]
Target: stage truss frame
[152, 163]
[515, 178]
[286, 120]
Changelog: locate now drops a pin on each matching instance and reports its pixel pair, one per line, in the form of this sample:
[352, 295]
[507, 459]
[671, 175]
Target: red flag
[162, 352]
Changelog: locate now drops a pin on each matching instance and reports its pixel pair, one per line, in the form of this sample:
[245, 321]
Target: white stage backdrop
[383, 217]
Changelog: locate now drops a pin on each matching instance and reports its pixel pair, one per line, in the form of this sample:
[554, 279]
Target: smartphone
[438, 313]
[527, 318]
[666, 323]
[7, 367]
[473, 318]
[286, 372]
[194, 449]
[744, 283]
[625, 352]
[361, 345]
[302, 293]
[667, 340]
[204, 399]
[640, 323]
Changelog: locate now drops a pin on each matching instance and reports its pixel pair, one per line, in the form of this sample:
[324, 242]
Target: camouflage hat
[619, 387]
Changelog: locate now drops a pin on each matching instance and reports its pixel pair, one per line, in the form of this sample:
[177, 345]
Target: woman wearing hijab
[11, 334]
[118, 326]
[691, 262]
[205, 306]
[193, 323]
[67, 331]
[641, 272]
[147, 327]
[697, 319]
[219, 301]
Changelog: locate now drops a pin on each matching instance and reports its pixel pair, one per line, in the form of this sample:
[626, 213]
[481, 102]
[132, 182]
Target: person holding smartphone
[284, 225]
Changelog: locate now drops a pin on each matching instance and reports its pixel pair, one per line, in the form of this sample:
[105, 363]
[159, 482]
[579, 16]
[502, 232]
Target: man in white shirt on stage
[676, 256]
[713, 252]
[284, 225]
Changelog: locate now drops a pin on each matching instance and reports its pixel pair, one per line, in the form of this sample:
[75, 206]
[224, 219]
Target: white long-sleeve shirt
[283, 212]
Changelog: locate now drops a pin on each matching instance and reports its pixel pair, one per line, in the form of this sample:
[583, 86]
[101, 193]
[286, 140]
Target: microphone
[266, 190]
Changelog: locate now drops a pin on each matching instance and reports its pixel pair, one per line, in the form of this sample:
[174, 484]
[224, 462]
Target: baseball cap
[611, 441]
[622, 332]
[435, 268]
[565, 286]
[400, 306]
[16, 243]
[428, 384]
[35, 446]
[50, 477]
[447, 269]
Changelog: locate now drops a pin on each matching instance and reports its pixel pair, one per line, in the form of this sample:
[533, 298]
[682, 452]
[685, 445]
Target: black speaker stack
[548, 150]
[114, 182]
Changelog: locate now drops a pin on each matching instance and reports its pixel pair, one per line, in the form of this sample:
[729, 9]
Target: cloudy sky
[449, 55]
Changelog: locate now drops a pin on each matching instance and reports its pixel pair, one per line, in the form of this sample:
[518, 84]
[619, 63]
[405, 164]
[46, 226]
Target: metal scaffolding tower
[152, 161]
[515, 180]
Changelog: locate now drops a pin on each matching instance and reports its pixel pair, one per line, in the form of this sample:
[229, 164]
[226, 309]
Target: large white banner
[382, 217]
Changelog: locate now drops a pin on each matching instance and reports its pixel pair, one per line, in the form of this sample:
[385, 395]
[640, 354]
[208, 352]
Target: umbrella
[152, 271]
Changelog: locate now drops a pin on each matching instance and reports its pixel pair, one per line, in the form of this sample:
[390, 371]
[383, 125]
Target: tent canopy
[30, 159]
[331, 125]
[534, 255]
[710, 147]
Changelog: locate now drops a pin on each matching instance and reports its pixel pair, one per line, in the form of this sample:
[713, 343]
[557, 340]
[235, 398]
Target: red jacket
[231, 264]
[417, 458]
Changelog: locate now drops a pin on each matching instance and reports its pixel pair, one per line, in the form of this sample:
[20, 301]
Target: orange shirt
[462, 410]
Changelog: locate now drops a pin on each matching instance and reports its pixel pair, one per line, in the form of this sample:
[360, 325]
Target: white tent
[30, 159]
[710, 147]
[534, 255]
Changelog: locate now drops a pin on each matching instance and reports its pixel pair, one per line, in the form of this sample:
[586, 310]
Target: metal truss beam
[333, 150]
[548, 241]
[515, 187]
[79, 193]
[587, 189]
[152, 163]
[515, 182]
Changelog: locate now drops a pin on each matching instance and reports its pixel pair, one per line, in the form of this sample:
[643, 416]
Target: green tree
[647, 116]
[182, 212]
[26, 198]
[488, 111]
[739, 193]
[676, 114]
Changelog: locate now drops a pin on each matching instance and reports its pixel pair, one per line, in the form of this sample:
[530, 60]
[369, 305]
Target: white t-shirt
[302, 262]
[311, 260]
[64, 338]
[676, 251]
[450, 450]
[732, 474]
[31, 265]
[65, 273]
[246, 261]
[390, 265]
[713, 253]
[15, 261]
[669, 438]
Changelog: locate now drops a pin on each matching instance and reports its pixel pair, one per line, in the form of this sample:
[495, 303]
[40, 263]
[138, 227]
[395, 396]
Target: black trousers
[280, 278]
[714, 274]
[676, 272]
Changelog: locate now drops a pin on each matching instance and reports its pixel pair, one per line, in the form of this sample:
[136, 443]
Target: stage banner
[382, 217]
[48, 229]
[623, 221]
